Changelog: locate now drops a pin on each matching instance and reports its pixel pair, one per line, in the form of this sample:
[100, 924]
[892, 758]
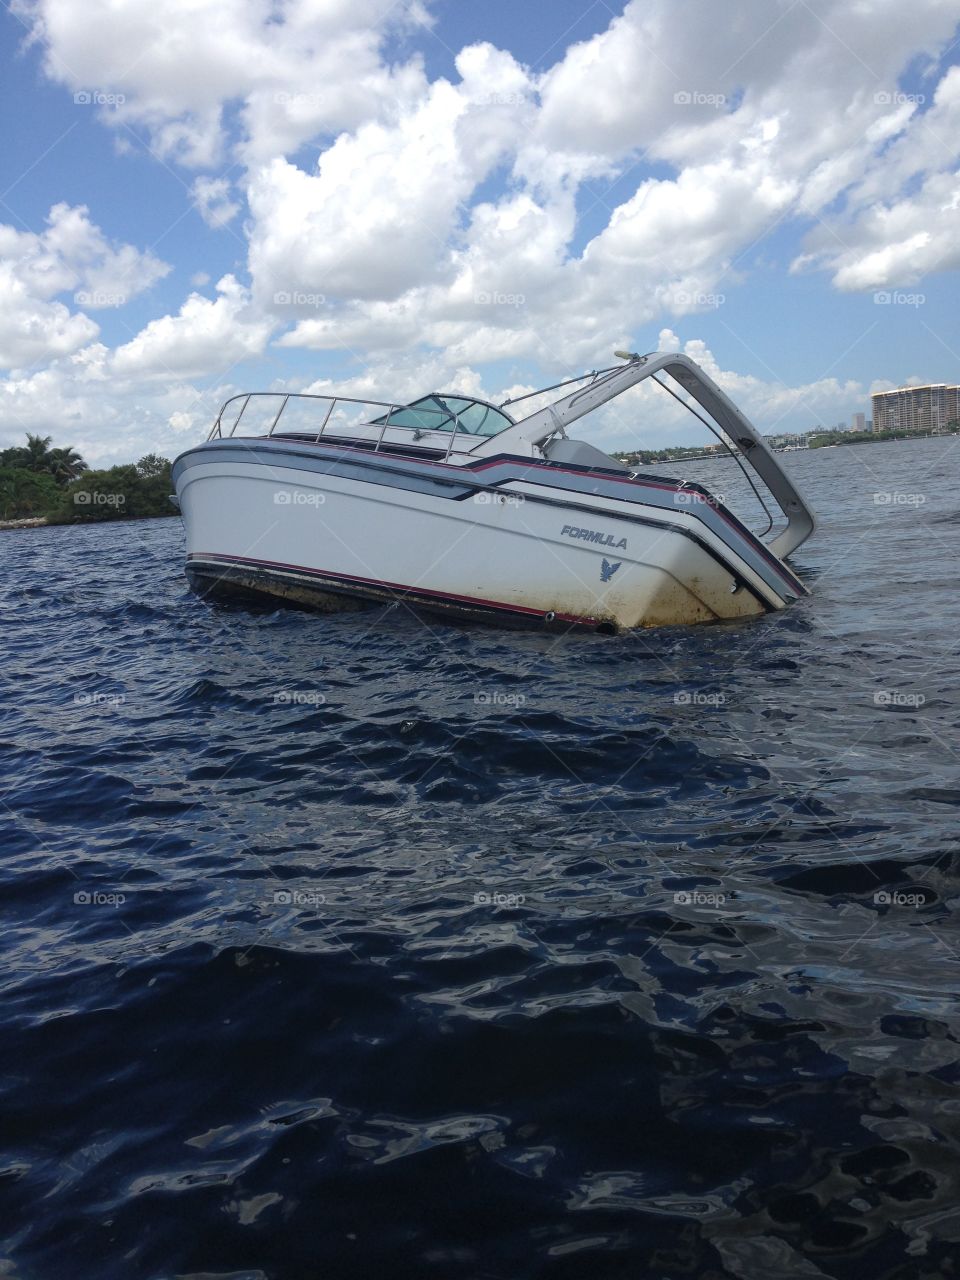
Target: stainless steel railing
[377, 419]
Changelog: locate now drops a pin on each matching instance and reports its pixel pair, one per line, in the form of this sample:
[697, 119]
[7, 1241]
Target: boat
[450, 505]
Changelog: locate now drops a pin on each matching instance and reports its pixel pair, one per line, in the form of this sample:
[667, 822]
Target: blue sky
[477, 196]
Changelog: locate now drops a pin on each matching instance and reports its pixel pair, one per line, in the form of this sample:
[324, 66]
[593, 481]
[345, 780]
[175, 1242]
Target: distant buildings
[927, 408]
[786, 440]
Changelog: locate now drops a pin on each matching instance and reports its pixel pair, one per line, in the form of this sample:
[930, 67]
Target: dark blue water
[353, 946]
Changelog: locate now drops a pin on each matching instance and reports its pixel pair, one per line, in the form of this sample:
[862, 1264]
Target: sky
[390, 197]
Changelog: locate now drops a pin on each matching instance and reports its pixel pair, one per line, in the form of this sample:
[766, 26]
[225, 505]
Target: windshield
[441, 413]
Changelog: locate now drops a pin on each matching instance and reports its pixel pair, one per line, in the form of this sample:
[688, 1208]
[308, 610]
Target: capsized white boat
[453, 506]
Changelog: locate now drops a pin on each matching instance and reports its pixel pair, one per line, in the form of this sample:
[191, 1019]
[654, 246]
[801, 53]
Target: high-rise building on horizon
[859, 422]
[926, 408]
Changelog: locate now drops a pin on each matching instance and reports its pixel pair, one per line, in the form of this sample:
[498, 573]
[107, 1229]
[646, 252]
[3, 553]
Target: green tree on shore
[25, 494]
[40, 481]
[64, 464]
[116, 493]
[823, 438]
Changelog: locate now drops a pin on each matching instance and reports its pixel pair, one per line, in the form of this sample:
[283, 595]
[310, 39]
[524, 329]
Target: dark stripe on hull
[210, 574]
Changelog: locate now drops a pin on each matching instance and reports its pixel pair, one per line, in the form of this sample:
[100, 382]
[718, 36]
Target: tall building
[859, 422]
[927, 408]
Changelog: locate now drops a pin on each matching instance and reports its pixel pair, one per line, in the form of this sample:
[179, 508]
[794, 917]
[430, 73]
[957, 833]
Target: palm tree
[63, 464]
[35, 456]
[66, 464]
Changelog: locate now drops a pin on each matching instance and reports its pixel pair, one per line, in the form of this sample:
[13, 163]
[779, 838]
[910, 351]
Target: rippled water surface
[356, 946]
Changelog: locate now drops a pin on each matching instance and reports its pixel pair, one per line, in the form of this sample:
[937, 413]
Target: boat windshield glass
[441, 413]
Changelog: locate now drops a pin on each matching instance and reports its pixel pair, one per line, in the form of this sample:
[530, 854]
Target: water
[353, 946]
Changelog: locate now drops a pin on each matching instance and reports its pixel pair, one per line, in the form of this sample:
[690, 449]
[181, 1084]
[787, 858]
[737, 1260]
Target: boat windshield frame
[455, 416]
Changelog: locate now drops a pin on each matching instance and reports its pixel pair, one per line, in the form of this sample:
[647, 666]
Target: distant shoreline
[866, 437]
[41, 522]
[882, 438]
[28, 522]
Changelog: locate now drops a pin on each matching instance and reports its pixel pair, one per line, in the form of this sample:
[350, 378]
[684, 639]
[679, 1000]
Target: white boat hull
[508, 540]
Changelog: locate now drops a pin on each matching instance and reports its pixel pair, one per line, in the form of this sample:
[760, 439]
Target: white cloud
[178, 65]
[430, 229]
[774, 405]
[32, 329]
[903, 216]
[81, 401]
[182, 422]
[71, 256]
[512, 253]
[204, 336]
[379, 214]
[212, 198]
[809, 123]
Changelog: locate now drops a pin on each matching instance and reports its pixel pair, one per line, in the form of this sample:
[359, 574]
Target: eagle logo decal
[607, 570]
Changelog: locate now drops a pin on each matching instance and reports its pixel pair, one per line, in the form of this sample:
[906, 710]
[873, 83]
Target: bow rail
[342, 415]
